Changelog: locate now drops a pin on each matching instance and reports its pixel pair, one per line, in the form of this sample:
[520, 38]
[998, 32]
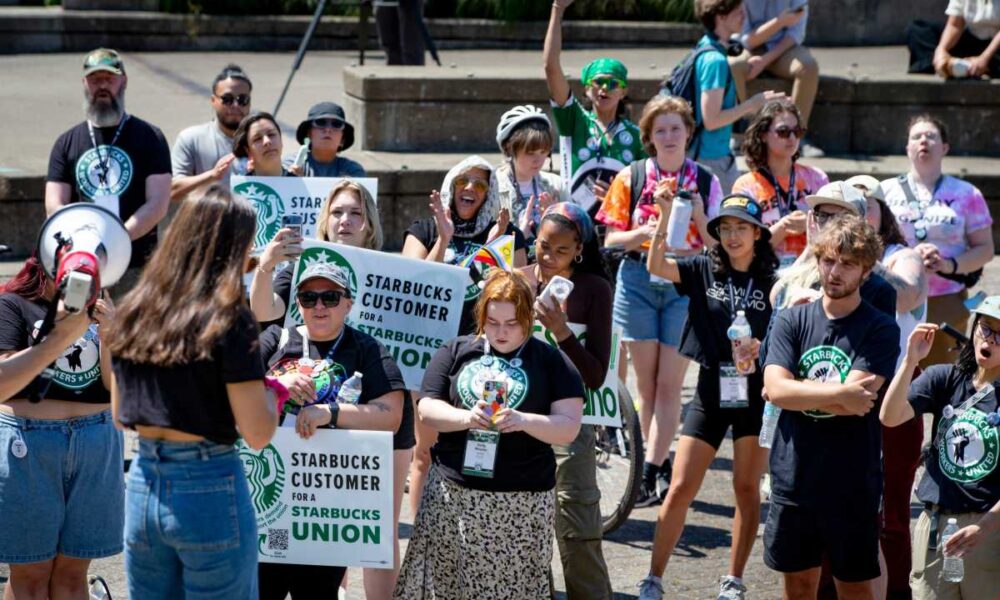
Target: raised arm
[559, 89]
[906, 274]
[896, 408]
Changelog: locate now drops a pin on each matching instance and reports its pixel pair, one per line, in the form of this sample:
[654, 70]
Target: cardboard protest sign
[323, 501]
[411, 306]
[274, 197]
[601, 405]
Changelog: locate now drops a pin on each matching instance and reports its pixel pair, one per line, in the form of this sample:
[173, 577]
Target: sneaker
[730, 589]
[650, 588]
[663, 480]
[807, 150]
[765, 487]
[647, 496]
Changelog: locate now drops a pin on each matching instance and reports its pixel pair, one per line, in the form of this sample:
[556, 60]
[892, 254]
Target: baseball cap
[869, 186]
[742, 207]
[842, 194]
[328, 271]
[103, 59]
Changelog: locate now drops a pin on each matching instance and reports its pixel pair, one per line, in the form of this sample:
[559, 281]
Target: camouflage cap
[103, 59]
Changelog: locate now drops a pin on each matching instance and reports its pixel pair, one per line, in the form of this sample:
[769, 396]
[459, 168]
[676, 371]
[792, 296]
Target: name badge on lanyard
[104, 198]
[109, 201]
[732, 387]
[480, 453]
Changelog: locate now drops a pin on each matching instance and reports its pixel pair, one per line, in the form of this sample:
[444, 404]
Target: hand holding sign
[310, 418]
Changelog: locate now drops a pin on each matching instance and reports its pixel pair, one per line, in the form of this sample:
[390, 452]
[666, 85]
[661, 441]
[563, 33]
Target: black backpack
[683, 83]
[638, 172]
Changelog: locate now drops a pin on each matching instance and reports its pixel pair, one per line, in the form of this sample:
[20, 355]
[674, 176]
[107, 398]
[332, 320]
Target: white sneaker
[730, 589]
[650, 588]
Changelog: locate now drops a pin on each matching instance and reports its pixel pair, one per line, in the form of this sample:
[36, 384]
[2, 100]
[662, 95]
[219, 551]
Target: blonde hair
[507, 286]
[373, 226]
[662, 105]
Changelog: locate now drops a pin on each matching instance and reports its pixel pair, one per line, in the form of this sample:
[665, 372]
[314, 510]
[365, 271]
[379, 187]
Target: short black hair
[231, 71]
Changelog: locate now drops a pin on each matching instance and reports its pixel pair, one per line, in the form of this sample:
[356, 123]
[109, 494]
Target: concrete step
[406, 179]
[858, 110]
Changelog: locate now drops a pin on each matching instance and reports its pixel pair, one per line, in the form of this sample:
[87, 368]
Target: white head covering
[491, 206]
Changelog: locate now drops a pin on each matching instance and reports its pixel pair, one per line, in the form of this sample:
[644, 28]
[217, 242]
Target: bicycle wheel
[619, 464]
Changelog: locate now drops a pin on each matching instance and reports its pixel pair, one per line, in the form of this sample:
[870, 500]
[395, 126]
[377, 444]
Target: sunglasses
[328, 124]
[786, 132]
[481, 186]
[330, 298]
[822, 216]
[228, 99]
[989, 334]
[608, 83]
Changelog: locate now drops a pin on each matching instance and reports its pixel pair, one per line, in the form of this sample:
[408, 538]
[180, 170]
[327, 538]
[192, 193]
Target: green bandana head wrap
[608, 66]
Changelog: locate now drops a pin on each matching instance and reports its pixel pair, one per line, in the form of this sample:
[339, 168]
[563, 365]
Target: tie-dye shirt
[615, 208]
[956, 209]
[757, 185]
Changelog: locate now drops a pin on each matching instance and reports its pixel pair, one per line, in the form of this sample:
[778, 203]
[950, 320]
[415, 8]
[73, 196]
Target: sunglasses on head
[479, 185]
[786, 132]
[608, 83]
[328, 123]
[228, 99]
[330, 298]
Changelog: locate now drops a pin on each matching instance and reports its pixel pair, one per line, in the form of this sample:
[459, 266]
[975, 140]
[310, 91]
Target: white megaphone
[83, 248]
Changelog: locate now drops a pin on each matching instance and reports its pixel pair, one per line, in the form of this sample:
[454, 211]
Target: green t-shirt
[587, 154]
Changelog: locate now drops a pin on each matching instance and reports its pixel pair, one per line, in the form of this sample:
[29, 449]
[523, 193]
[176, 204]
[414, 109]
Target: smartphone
[293, 222]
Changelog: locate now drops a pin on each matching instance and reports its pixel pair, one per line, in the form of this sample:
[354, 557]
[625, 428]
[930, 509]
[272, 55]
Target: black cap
[742, 207]
[326, 110]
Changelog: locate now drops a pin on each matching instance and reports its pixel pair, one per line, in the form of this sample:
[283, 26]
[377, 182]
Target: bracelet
[263, 270]
[954, 265]
[280, 392]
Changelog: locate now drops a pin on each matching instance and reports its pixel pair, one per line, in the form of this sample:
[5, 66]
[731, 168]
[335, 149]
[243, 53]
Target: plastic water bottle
[350, 392]
[300, 158]
[98, 589]
[680, 217]
[954, 566]
[741, 337]
[959, 68]
[769, 425]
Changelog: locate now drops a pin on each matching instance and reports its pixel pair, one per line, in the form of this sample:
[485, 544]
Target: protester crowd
[813, 309]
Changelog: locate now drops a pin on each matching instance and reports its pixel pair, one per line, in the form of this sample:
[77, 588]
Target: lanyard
[517, 187]
[920, 206]
[329, 353]
[946, 419]
[682, 175]
[785, 200]
[103, 161]
[487, 358]
[732, 297]
[602, 135]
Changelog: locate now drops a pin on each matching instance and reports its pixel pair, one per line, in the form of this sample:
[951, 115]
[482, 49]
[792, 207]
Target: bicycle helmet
[514, 117]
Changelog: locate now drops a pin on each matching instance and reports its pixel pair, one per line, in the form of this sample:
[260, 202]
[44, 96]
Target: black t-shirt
[77, 376]
[425, 230]
[961, 468]
[879, 293]
[456, 375]
[357, 351]
[818, 458]
[192, 397]
[140, 151]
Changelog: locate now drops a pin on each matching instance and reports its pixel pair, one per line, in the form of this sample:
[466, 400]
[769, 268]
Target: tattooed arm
[905, 272]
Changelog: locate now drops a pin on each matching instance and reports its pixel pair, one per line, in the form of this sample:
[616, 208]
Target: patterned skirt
[475, 545]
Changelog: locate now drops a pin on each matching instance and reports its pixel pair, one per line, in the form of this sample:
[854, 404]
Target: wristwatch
[334, 413]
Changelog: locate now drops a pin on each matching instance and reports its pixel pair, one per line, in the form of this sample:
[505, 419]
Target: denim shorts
[645, 311]
[190, 527]
[61, 488]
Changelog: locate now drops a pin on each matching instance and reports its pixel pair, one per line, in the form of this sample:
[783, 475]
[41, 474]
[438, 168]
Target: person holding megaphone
[55, 452]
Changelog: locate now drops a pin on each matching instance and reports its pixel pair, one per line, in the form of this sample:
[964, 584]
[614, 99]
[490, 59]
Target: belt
[940, 510]
[638, 256]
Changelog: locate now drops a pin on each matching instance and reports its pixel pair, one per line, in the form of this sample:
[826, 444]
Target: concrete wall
[867, 22]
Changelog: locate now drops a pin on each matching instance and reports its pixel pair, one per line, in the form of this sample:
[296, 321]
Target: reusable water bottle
[350, 392]
[680, 217]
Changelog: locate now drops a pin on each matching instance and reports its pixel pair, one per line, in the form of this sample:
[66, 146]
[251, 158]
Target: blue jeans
[190, 528]
[647, 311]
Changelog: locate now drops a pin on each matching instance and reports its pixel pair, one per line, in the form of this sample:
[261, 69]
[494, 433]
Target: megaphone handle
[40, 385]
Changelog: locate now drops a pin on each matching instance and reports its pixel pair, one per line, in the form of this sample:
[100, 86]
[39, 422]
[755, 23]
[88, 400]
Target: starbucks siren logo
[824, 364]
[269, 207]
[968, 451]
[311, 256]
[88, 171]
[266, 475]
[470, 382]
[80, 365]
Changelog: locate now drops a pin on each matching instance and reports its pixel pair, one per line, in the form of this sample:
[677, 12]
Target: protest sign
[412, 306]
[323, 501]
[600, 406]
[274, 197]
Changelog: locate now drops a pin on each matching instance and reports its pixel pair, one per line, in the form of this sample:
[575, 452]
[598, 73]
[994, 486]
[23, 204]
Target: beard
[104, 113]
[228, 121]
[844, 290]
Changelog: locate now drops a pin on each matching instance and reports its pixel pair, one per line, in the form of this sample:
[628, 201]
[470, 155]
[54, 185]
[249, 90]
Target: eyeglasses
[328, 124]
[989, 334]
[822, 216]
[608, 83]
[228, 99]
[481, 186]
[786, 132]
[330, 298]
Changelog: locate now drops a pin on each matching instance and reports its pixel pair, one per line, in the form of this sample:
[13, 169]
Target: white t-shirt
[982, 17]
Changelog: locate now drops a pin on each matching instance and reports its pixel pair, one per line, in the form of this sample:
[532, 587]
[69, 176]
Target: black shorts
[405, 438]
[709, 423]
[796, 538]
[303, 582]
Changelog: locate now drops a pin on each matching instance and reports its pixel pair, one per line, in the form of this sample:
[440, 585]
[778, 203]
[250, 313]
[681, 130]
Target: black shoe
[647, 496]
[663, 479]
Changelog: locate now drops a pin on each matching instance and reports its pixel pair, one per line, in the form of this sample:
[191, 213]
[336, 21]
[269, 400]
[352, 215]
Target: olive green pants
[578, 519]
